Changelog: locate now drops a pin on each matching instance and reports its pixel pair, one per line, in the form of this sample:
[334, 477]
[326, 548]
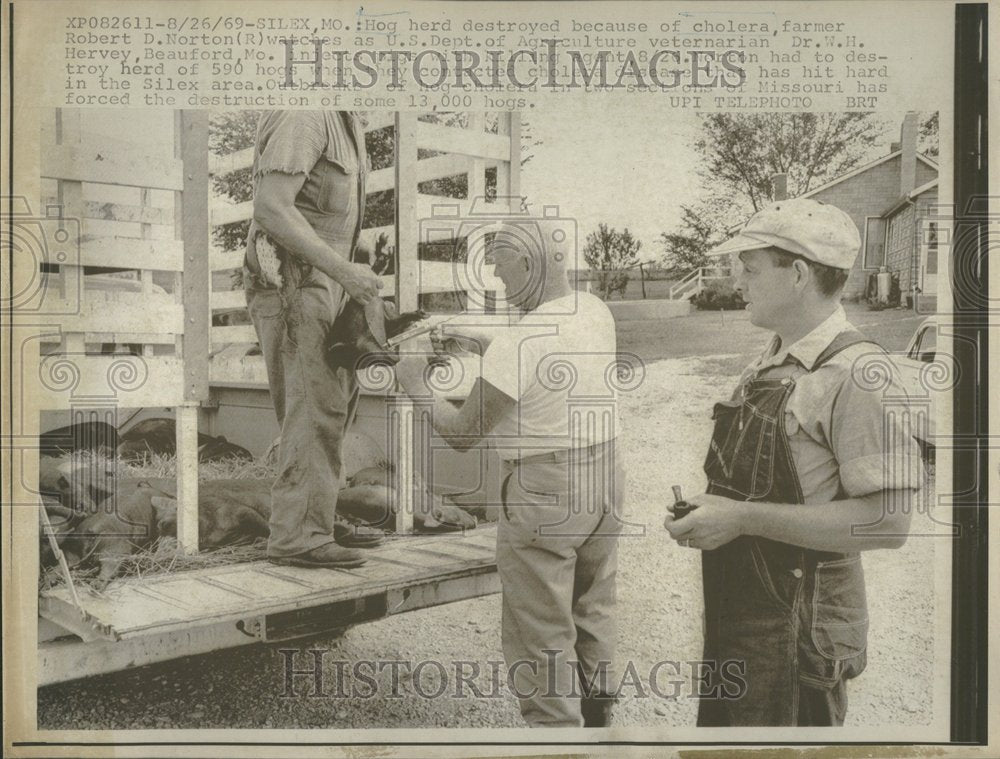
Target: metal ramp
[260, 602]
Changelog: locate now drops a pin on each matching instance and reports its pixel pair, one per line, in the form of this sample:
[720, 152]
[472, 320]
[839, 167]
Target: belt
[564, 455]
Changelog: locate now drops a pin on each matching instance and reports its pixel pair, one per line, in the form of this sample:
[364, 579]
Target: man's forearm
[852, 524]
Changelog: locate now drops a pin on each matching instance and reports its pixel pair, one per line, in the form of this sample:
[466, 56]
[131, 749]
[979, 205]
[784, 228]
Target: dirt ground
[659, 606]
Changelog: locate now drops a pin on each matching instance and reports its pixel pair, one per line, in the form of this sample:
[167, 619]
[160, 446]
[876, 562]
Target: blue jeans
[314, 404]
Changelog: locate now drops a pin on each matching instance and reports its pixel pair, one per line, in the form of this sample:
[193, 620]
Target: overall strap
[849, 337]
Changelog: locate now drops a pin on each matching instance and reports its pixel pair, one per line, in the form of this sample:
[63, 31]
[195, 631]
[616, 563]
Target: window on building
[932, 247]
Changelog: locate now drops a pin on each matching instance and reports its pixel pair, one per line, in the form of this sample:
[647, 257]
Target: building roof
[862, 169]
[720, 249]
[903, 199]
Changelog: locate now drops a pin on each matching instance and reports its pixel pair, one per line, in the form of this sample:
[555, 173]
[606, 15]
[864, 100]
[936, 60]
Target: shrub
[718, 295]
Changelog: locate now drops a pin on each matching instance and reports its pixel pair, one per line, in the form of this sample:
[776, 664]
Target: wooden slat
[70, 658]
[219, 260]
[440, 209]
[186, 445]
[439, 276]
[228, 299]
[378, 120]
[407, 231]
[124, 166]
[223, 336]
[121, 212]
[193, 129]
[124, 337]
[377, 181]
[224, 164]
[132, 253]
[247, 370]
[140, 313]
[134, 380]
[187, 601]
[467, 142]
[436, 167]
[228, 213]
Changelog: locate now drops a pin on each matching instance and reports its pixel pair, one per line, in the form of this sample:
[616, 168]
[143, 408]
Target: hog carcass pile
[100, 520]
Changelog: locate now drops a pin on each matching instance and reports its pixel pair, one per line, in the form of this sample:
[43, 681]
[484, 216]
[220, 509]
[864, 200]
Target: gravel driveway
[666, 430]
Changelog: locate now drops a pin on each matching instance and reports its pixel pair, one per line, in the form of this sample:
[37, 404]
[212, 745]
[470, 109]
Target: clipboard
[421, 328]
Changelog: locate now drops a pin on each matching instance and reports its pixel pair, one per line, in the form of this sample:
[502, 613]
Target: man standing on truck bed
[557, 539]
[309, 194]
[806, 468]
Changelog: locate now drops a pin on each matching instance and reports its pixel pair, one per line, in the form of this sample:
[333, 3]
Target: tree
[229, 132]
[698, 233]
[610, 253]
[742, 152]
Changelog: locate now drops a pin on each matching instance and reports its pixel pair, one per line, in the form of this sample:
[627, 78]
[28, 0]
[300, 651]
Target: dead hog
[127, 522]
[237, 511]
[71, 488]
[230, 512]
[360, 333]
[159, 436]
[368, 498]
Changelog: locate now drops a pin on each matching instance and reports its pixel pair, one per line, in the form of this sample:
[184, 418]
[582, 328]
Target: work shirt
[329, 148]
[845, 421]
[558, 363]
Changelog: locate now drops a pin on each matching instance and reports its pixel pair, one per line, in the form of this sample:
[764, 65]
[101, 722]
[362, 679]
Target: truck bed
[137, 621]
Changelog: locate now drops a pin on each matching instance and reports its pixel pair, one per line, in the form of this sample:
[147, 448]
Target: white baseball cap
[816, 231]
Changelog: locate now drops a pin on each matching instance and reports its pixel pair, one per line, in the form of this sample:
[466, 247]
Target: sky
[625, 166]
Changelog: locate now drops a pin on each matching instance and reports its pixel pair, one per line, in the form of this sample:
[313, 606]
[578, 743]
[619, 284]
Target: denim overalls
[793, 620]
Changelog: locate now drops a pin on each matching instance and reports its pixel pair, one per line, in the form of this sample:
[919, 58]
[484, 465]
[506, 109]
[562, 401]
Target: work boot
[596, 709]
[357, 535]
[329, 555]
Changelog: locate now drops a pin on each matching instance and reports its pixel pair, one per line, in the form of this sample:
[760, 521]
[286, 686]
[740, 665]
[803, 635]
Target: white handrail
[694, 279]
[685, 283]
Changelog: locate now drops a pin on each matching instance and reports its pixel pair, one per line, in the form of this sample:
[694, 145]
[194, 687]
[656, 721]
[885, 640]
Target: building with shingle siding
[893, 200]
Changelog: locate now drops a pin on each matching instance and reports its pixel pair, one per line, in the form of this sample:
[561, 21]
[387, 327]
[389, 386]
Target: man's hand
[714, 523]
[359, 282]
[451, 338]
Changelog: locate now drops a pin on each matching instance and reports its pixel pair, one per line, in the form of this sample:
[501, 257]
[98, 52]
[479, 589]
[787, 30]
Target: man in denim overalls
[805, 469]
[309, 194]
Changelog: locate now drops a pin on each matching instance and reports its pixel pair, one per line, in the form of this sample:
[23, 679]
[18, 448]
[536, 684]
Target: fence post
[401, 413]
[70, 197]
[642, 279]
[192, 208]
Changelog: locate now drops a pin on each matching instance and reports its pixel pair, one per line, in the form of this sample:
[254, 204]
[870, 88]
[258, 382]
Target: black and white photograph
[492, 380]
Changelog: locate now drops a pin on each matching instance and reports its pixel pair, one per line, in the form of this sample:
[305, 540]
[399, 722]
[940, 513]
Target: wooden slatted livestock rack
[141, 209]
[161, 230]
